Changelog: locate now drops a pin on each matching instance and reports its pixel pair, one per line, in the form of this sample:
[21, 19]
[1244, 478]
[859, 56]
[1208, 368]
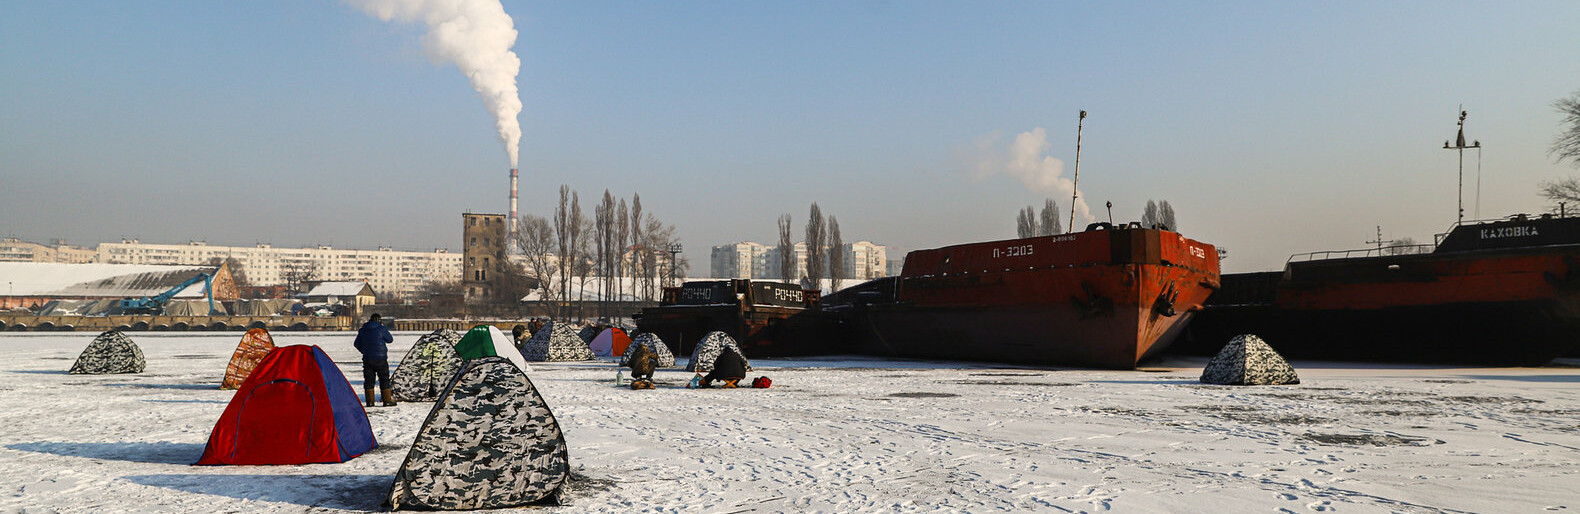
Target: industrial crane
[156, 304]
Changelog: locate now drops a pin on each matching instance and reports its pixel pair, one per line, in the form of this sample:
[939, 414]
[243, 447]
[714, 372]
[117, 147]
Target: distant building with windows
[483, 237]
[16, 250]
[401, 274]
[863, 260]
[737, 260]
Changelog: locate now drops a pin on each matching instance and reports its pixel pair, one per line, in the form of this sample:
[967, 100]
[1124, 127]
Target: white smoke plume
[1026, 158]
[476, 36]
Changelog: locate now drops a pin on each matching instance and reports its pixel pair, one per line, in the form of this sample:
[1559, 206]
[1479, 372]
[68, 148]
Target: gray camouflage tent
[652, 342]
[556, 342]
[1248, 360]
[428, 367]
[111, 352]
[708, 350]
[490, 442]
[588, 334]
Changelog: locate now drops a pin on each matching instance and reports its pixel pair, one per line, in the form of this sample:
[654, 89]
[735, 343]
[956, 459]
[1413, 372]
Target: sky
[1272, 128]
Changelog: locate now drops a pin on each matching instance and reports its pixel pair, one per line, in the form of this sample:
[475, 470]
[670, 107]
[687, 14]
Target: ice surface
[841, 435]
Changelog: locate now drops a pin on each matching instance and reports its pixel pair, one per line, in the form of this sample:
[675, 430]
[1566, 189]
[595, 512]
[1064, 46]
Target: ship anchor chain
[1164, 305]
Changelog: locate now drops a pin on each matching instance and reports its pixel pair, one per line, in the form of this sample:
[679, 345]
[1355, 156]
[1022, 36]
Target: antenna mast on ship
[1459, 144]
[1380, 241]
[1076, 193]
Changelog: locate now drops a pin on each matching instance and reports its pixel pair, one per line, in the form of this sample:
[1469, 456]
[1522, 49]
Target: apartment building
[390, 272]
[863, 260]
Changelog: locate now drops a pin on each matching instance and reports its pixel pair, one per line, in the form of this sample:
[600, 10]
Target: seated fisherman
[729, 367]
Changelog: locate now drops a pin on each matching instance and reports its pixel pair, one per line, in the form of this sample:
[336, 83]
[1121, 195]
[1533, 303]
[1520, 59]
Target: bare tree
[836, 254]
[1149, 215]
[577, 253]
[297, 272]
[511, 285]
[786, 251]
[1567, 144]
[816, 239]
[535, 242]
[1050, 219]
[1403, 246]
[1166, 216]
[622, 246]
[1565, 190]
[637, 263]
[656, 236]
[562, 232]
[603, 243]
[1025, 223]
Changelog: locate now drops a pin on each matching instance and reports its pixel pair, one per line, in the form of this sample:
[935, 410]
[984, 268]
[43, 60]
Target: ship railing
[1367, 252]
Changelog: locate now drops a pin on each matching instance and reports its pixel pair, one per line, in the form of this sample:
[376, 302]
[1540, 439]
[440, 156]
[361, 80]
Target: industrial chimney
[512, 203]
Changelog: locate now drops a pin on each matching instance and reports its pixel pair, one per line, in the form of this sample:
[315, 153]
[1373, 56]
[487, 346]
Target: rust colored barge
[1107, 297]
[1490, 293]
[767, 319]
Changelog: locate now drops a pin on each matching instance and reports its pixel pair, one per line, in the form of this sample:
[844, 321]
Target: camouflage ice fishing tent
[428, 367]
[490, 442]
[295, 408]
[1247, 360]
[556, 342]
[708, 350]
[588, 334]
[611, 342]
[487, 341]
[652, 342]
[111, 352]
[255, 345]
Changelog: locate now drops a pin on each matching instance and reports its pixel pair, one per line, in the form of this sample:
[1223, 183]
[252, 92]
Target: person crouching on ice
[643, 361]
[373, 341]
[730, 367]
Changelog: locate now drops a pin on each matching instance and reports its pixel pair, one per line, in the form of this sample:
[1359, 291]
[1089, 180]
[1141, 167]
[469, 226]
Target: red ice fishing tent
[295, 408]
[611, 342]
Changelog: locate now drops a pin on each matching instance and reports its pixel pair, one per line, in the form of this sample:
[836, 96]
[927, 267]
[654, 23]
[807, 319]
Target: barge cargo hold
[1106, 297]
[1490, 293]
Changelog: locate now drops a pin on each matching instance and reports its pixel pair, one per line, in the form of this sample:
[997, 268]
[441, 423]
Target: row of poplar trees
[825, 255]
[1029, 223]
[621, 248]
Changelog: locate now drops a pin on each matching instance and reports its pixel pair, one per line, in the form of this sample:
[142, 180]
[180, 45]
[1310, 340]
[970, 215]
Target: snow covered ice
[840, 435]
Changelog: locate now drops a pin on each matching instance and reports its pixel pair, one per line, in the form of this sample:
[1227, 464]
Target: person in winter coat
[729, 366]
[643, 361]
[519, 336]
[373, 341]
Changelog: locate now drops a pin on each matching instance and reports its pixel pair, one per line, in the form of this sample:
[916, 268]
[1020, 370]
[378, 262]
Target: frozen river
[842, 435]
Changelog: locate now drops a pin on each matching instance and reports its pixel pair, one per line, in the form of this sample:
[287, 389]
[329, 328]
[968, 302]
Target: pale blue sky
[1272, 127]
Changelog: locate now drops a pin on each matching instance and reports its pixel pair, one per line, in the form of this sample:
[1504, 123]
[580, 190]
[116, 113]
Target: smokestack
[512, 202]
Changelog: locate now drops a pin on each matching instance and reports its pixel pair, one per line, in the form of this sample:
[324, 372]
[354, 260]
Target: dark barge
[767, 319]
[1490, 293]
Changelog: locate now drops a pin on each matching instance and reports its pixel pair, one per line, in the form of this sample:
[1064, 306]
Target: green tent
[487, 341]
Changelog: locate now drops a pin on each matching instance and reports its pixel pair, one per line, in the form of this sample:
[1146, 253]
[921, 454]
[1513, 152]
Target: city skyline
[1272, 129]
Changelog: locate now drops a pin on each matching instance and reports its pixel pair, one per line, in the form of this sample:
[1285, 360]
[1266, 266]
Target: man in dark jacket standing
[373, 341]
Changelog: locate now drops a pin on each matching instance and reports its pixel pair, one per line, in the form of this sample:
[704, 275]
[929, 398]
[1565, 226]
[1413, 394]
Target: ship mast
[1075, 194]
[1459, 144]
[1380, 241]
